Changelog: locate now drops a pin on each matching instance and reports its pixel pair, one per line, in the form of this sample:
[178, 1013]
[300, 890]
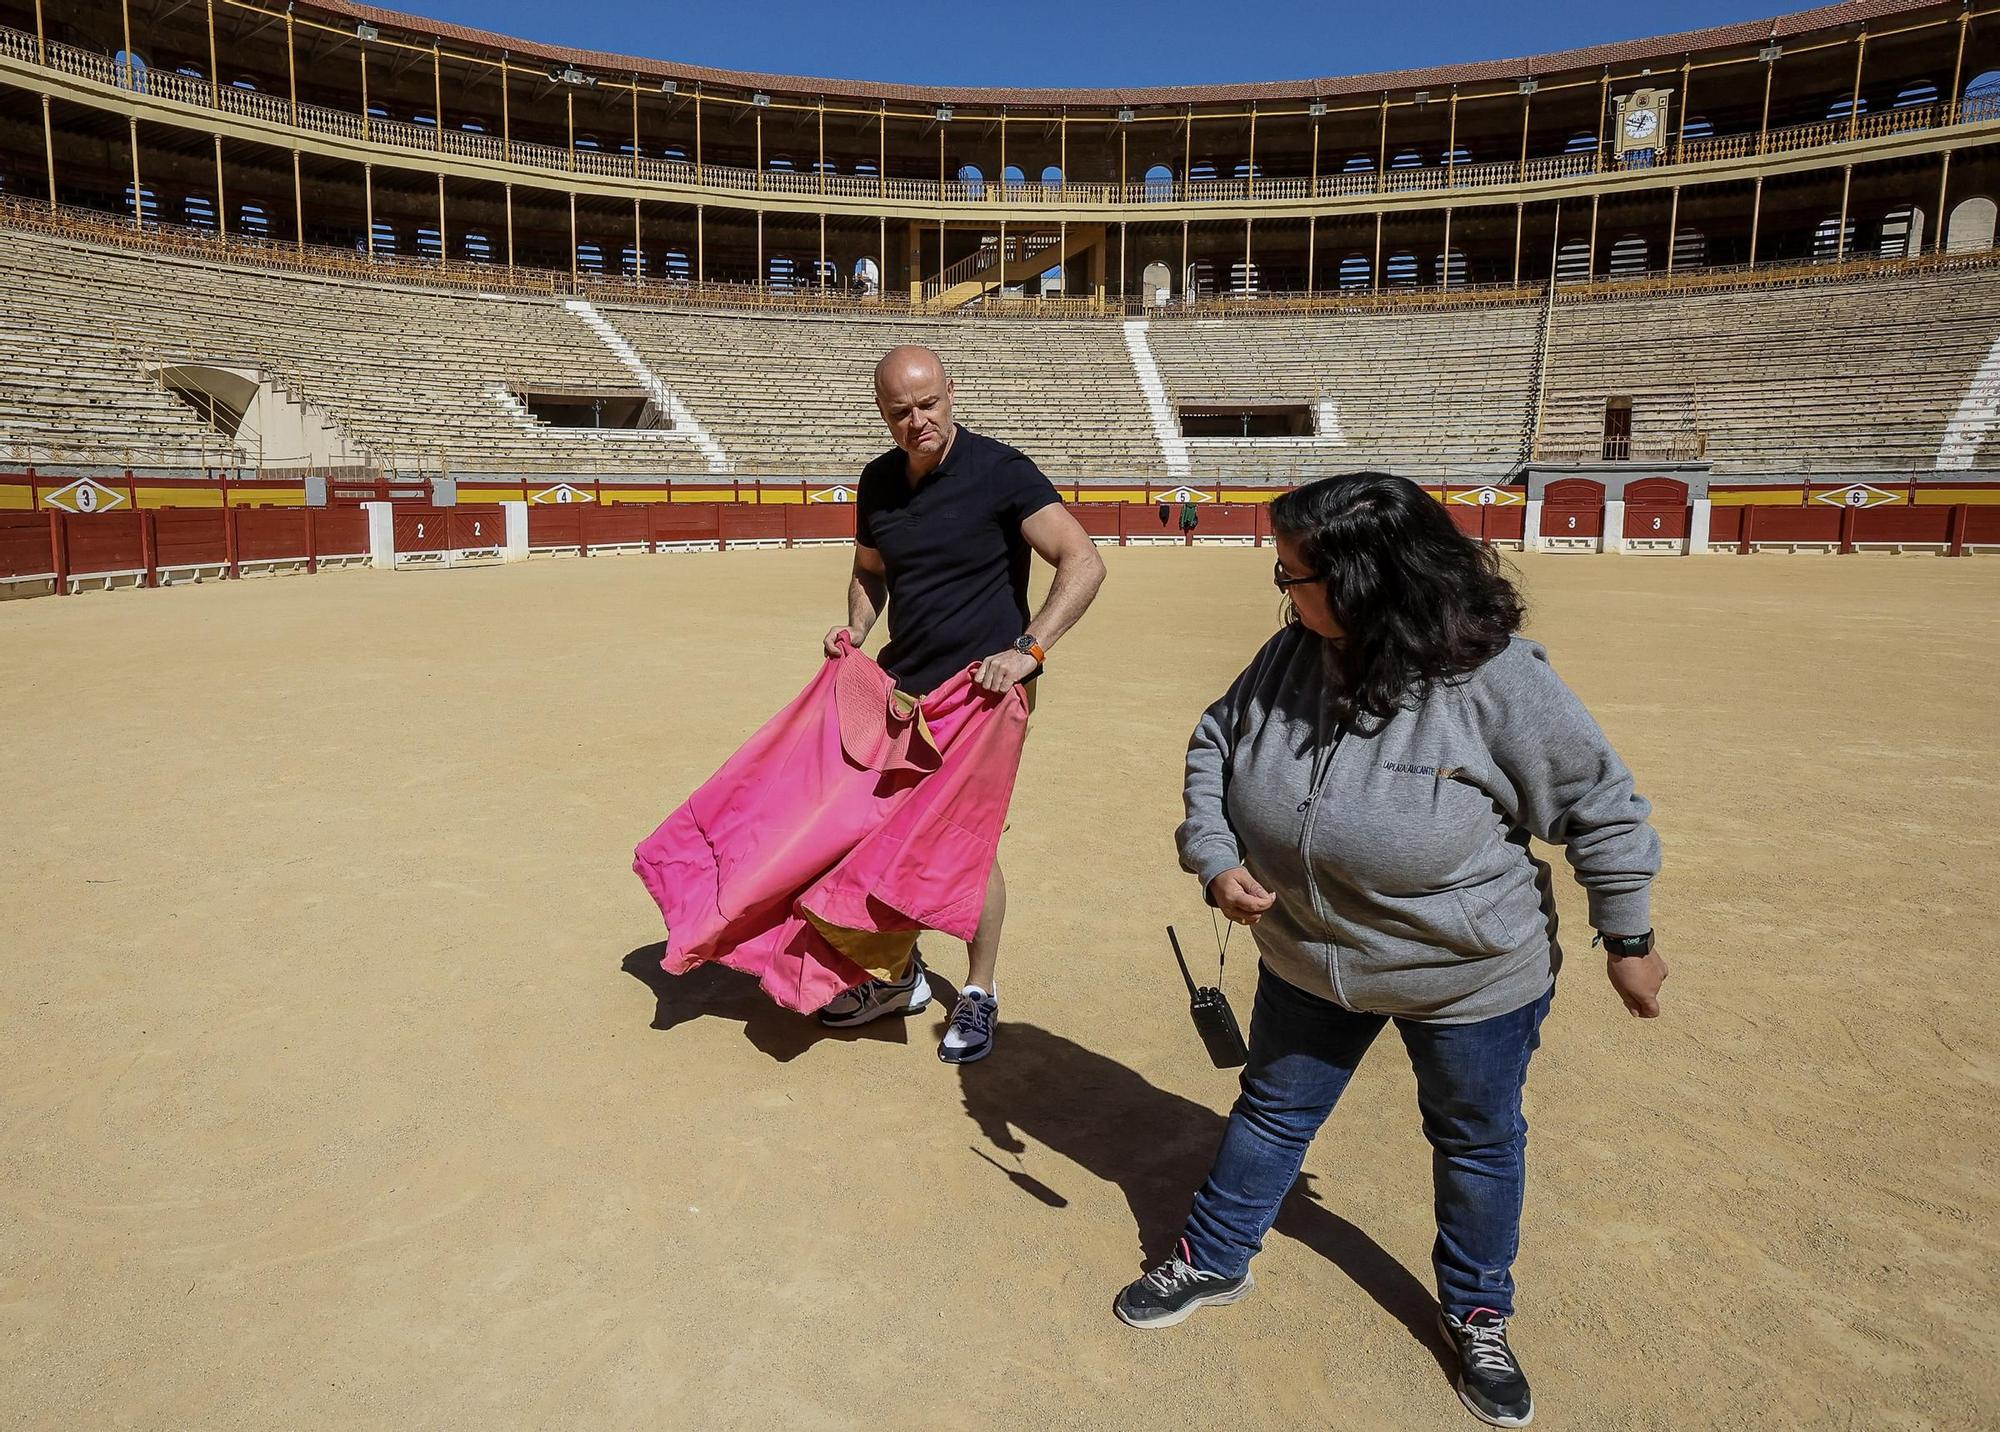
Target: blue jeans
[1303, 1050]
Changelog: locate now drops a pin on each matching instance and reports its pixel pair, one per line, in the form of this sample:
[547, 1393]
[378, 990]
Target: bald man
[946, 523]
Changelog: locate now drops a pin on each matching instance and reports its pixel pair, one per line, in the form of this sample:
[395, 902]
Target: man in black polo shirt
[946, 526]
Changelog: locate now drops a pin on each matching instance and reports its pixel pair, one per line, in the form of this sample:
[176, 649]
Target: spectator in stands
[1363, 797]
[948, 521]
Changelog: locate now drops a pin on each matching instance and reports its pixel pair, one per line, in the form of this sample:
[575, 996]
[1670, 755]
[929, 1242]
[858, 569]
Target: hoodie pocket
[1490, 932]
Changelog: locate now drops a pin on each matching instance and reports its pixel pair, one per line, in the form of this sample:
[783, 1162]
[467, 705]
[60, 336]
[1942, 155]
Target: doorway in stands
[1617, 429]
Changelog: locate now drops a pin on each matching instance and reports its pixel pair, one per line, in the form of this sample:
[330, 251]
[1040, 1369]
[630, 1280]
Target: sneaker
[1171, 1292]
[969, 1036]
[871, 999]
[1490, 1381]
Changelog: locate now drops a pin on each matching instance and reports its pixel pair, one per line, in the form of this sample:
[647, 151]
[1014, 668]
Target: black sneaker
[1172, 1291]
[1490, 1381]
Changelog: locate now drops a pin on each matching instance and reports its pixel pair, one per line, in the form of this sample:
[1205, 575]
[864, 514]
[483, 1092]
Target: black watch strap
[1621, 947]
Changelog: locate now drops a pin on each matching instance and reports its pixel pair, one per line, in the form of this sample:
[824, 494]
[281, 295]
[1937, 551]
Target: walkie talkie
[1213, 1019]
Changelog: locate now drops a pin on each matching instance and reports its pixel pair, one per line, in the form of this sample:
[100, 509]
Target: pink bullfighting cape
[855, 818]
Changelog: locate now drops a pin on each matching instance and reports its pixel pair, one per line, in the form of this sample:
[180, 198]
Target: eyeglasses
[1284, 583]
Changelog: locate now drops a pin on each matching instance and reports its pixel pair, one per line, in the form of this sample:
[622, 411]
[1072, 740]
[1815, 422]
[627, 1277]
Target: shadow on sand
[1154, 1146]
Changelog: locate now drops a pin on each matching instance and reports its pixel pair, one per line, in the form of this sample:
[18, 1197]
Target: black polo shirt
[958, 564]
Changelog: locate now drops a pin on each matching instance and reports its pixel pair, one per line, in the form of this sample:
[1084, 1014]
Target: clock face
[1641, 123]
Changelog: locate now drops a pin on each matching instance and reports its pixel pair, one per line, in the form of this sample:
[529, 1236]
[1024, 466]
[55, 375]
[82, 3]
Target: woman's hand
[1237, 895]
[1638, 978]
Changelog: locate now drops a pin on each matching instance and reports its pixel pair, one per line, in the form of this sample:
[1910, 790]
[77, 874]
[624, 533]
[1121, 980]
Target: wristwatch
[1028, 646]
[1625, 947]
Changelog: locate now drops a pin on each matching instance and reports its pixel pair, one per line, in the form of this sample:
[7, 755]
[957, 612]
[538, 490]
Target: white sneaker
[871, 999]
[969, 1036]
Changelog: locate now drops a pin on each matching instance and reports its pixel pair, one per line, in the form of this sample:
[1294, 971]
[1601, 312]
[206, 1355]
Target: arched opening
[1356, 272]
[825, 166]
[429, 121]
[1359, 164]
[973, 180]
[585, 143]
[1970, 229]
[1628, 257]
[676, 266]
[629, 263]
[1202, 171]
[1831, 240]
[674, 154]
[1690, 249]
[1981, 99]
[1159, 183]
[1407, 159]
[1902, 233]
[477, 247]
[1582, 142]
[1158, 284]
[1011, 177]
[377, 112]
[627, 148]
[191, 71]
[1200, 280]
[781, 164]
[252, 221]
[1915, 93]
[589, 258]
[430, 245]
[1246, 170]
[198, 212]
[143, 204]
[473, 126]
[244, 82]
[1847, 104]
[1457, 158]
[131, 70]
[1698, 126]
[783, 273]
[1243, 280]
[1052, 175]
[1401, 270]
[385, 237]
[1573, 262]
[867, 275]
[1448, 269]
[1617, 429]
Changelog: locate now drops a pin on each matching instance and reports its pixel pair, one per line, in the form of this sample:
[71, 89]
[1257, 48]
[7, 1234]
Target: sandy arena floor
[339, 1086]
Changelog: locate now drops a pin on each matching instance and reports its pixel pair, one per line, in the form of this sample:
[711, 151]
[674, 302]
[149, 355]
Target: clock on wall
[1642, 120]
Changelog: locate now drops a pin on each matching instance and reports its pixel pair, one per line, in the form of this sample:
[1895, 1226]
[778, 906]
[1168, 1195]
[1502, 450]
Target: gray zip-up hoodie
[1398, 853]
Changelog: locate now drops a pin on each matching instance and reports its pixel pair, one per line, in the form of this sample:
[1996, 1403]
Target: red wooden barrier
[556, 524]
[1656, 507]
[25, 548]
[105, 542]
[1779, 525]
[1573, 507]
[271, 534]
[1900, 524]
[340, 532]
[1100, 519]
[685, 522]
[472, 526]
[190, 536]
[751, 522]
[1725, 524]
[821, 522]
[1980, 526]
[1506, 523]
[420, 530]
[618, 524]
[1218, 519]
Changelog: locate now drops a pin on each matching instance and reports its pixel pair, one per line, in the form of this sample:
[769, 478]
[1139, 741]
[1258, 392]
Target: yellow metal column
[508, 200]
[49, 150]
[437, 99]
[506, 119]
[368, 204]
[1673, 227]
[214, 82]
[221, 200]
[1603, 115]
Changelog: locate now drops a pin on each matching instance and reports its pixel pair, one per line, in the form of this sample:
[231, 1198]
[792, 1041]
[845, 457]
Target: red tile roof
[1622, 52]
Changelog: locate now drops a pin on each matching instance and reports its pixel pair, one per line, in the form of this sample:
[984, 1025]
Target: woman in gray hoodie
[1363, 797]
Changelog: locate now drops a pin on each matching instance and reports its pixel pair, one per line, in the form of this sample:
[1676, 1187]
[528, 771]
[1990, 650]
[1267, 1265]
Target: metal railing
[992, 195]
[92, 226]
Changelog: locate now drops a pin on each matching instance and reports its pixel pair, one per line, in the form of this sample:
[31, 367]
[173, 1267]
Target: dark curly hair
[1420, 601]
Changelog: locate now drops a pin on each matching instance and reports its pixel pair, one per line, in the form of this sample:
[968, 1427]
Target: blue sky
[1082, 42]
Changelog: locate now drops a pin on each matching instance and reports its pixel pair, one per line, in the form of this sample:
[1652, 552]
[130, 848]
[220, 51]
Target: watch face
[1641, 123]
